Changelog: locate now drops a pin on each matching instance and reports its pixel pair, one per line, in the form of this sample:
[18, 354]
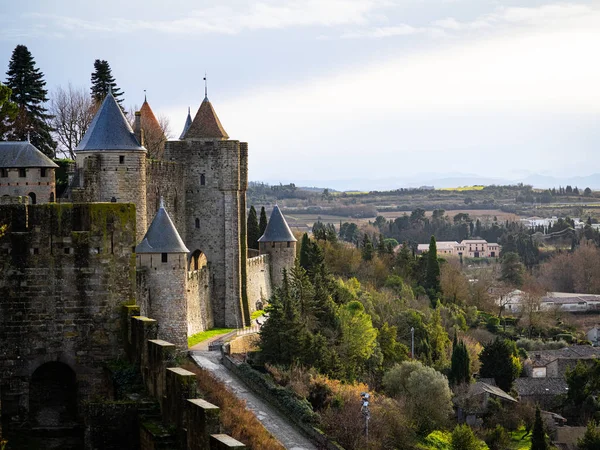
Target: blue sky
[347, 89]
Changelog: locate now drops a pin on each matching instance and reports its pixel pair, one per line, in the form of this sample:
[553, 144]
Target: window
[22, 173]
[164, 257]
[67, 250]
[32, 198]
[121, 159]
[197, 223]
[202, 179]
[43, 172]
[3, 173]
[289, 244]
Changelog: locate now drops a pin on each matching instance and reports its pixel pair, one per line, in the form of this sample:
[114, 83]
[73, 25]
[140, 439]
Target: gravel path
[269, 417]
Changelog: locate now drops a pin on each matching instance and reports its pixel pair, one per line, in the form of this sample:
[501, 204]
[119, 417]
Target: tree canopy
[103, 82]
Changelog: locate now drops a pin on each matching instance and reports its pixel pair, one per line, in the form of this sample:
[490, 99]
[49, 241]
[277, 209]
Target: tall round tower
[280, 244]
[162, 256]
[111, 163]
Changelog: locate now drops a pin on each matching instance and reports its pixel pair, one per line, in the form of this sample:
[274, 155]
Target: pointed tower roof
[277, 229]
[188, 123]
[148, 119]
[206, 124]
[162, 236]
[23, 154]
[109, 130]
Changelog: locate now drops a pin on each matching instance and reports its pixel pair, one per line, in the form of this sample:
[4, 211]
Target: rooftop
[162, 236]
[206, 124]
[277, 229]
[188, 123]
[109, 130]
[23, 154]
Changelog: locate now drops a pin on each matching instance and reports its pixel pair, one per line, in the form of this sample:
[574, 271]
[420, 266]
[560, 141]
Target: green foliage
[492, 324]
[460, 368]
[324, 232]
[29, 94]
[262, 224]
[204, 335]
[464, 439]
[513, 270]
[8, 110]
[358, 339]
[498, 439]
[432, 277]
[538, 436]
[296, 407]
[591, 438]
[499, 360]
[436, 440]
[584, 387]
[253, 229]
[256, 314]
[368, 251]
[424, 391]
[102, 81]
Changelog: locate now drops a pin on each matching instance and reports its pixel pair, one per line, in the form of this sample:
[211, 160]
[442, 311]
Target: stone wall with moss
[65, 272]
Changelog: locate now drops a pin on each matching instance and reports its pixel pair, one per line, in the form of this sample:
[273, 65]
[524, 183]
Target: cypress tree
[538, 435]
[432, 277]
[27, 85]
[460, 369]
[101, 80]
[305, 252]
[367, 248]
[252, 229]
[262, 224]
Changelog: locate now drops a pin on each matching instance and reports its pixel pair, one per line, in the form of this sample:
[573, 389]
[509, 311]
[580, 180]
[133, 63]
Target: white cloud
[233, 18]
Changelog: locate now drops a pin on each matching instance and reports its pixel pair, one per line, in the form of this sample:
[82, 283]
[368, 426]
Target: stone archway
[197, 260]
[53, 396]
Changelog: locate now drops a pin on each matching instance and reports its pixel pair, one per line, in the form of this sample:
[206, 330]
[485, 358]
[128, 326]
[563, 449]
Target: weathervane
[205, 86]
[145, 95]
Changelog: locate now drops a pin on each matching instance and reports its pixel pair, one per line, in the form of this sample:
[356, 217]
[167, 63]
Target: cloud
[233, 18]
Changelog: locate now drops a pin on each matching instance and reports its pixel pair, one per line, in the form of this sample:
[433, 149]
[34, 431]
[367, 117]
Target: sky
[346, 92]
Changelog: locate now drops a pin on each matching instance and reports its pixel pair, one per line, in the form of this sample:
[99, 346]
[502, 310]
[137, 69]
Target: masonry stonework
[281, 256]
[258, 283]
[36, 182]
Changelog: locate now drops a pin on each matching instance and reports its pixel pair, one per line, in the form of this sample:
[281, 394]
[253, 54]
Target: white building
[469, 248]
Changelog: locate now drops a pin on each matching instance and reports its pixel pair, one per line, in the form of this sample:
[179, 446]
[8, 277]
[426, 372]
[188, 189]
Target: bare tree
[72, 110]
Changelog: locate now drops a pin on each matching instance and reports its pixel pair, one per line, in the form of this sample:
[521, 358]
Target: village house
[468, 248]
[565, 301]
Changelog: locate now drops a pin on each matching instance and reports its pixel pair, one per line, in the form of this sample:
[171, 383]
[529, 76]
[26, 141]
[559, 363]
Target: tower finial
[29, 137]
[205, 87]
[189, 112]
[109, 88]
[162, 202]
[145, 96]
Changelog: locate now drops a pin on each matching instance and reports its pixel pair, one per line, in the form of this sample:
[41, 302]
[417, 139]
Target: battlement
[260, 260]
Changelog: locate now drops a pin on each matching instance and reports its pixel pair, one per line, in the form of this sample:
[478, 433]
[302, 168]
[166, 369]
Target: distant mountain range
[447, 181]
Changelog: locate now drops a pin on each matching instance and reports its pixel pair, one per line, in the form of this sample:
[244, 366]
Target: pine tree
[27, 85]
[367, 248]
[262, 224]
[103, 81]
[305, 252]
[432, 277]
[538, 435]
[252, 229]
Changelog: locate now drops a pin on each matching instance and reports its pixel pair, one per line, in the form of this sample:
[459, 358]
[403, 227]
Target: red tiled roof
[148, 120]
[206, 124]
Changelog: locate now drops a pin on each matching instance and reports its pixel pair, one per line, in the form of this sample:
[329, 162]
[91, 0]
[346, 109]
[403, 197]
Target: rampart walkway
[269, 417]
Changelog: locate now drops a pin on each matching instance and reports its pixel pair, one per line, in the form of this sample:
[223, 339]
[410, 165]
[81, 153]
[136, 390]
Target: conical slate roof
[109, 130]
[162, 236]
[206, 124]
[277, 229]
[188, 123]
[23, 154]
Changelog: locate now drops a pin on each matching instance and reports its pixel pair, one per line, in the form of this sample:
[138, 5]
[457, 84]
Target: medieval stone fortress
[162, 238]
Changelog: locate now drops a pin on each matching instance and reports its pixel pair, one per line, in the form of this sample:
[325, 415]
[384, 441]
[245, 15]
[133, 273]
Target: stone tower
[280, 244]
[163, 256]
[111, 163]
[216, 179]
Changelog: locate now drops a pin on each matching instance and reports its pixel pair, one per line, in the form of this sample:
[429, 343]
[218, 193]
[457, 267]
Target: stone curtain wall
[165, 179]
[102, 177]
[42, 187]
[258, 284]
[282, 255]
[199, 307]
[65, 272]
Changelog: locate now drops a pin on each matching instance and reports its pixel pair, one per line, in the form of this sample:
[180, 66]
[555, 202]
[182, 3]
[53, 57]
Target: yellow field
[462, 188]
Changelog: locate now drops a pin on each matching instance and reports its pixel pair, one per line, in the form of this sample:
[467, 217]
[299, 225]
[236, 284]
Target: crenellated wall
[258, 285]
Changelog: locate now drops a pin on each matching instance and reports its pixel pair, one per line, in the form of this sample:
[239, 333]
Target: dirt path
[283, 431]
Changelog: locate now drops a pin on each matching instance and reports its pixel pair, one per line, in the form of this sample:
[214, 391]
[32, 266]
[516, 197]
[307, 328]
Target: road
[279, 427]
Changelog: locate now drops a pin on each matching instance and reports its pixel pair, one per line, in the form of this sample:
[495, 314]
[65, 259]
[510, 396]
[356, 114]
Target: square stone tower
[216, 180]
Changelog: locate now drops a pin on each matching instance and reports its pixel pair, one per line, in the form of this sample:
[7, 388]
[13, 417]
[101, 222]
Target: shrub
[498, 439]
[492, 324]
